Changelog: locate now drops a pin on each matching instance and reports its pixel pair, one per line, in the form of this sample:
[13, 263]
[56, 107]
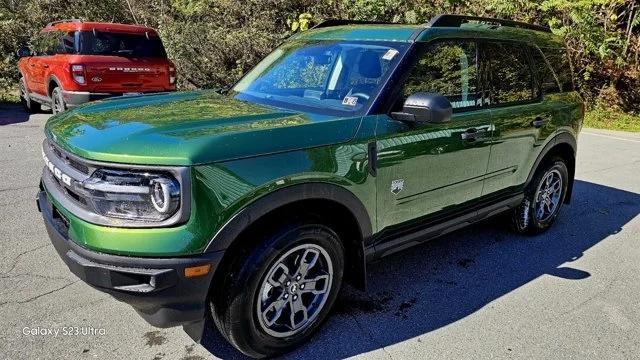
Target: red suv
[71, 62]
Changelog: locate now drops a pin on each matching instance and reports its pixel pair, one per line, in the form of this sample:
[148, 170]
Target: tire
[543, 199]
[29, 105]
[255, 303]
[57, 101]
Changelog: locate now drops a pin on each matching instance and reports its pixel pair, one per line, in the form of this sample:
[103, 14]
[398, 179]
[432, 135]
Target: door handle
[474, 134]
[539, 121]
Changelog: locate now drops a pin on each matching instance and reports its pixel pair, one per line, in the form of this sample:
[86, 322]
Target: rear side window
[559, 61]
[54, 42]
[546, 78]
[449, 69]
[510, 76]
[120, 44]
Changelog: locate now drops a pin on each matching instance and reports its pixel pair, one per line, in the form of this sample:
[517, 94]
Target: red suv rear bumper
[75, 98]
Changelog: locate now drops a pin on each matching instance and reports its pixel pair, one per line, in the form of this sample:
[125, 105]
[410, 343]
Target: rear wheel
[29, 105]
[279, 295]
[57, 101]
[543, 199]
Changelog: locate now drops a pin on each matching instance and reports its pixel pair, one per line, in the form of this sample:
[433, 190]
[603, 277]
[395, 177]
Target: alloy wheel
[548, 195]
[57, 105]
[294, 290]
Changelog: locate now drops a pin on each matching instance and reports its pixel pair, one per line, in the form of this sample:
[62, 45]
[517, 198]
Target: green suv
[349, 142]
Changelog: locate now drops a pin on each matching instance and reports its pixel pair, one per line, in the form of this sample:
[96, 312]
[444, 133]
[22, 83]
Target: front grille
[78, 166]
[68, 159]
[66, 163]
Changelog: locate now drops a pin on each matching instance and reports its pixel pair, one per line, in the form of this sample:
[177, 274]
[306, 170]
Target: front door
[429, 168]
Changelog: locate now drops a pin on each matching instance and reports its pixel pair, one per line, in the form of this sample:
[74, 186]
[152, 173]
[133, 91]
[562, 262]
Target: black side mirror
[23, 52]
[424, 107]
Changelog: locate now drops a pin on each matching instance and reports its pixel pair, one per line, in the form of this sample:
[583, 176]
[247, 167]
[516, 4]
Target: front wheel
[543, 199]
[57, 101]
[282, 291]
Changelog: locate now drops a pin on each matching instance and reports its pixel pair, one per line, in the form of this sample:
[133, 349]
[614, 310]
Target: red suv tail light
[78, 73]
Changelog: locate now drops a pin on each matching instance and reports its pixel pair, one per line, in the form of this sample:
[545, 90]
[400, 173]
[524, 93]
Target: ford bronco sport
[71, 62]
[349, 142]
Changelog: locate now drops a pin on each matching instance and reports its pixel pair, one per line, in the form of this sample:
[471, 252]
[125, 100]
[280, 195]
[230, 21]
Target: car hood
[188, 128]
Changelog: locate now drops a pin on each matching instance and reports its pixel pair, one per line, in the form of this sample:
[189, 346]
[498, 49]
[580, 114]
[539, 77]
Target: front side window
[448, 69]
[325, 77]
[510, 78]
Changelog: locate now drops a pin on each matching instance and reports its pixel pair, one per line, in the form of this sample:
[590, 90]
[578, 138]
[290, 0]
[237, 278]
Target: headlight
[134, 196]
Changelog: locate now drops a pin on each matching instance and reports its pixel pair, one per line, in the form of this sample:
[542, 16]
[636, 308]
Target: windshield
[121, 44]
[327, 77]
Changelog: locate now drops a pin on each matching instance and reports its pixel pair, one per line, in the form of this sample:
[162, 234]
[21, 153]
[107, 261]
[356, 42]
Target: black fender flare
[53, 78]
[230, 231]
[558, 139]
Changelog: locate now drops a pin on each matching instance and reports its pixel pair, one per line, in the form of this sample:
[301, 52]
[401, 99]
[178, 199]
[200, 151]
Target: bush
[213, 42]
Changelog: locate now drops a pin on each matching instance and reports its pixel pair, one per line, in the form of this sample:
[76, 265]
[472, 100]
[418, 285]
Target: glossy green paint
[222, 189]
[189, 128]
[479, 31]
[438, 168]
[233, 185]
[517, 144]
[239, 152]
[362, 33]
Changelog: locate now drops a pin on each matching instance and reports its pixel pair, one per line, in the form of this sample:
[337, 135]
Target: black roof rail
[339, 22]
[63, 21]
[451, 20]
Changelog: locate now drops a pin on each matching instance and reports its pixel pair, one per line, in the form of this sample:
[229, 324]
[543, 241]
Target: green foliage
[213, 42]
[606, 118]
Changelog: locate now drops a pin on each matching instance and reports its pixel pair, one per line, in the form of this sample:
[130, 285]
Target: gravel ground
[478, 293]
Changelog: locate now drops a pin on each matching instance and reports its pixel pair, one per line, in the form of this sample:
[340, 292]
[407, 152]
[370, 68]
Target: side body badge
[397, 186]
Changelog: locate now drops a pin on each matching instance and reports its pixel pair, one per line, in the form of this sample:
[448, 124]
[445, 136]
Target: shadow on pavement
[12, 114]
[438, 283]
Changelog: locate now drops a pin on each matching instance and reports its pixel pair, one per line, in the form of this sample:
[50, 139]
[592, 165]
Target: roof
[73, 25]
[363, 32]
[442, 26]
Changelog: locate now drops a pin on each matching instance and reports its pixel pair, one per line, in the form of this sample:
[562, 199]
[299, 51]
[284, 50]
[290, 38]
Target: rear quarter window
[547, 81]
[559, 61]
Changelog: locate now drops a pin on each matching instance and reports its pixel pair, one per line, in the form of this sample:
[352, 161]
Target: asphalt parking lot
[479, 293]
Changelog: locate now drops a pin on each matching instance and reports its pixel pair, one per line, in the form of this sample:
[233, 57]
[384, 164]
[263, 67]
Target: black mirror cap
[428, 107]
[23, 52]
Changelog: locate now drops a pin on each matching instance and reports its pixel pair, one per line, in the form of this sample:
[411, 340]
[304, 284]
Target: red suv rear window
[121, 44]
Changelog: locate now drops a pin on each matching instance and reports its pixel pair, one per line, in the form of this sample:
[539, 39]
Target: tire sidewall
[246, 331]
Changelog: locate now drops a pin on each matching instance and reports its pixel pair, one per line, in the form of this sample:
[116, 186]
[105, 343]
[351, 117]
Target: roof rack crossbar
[339, 22]
[63, 21]
[451, 20]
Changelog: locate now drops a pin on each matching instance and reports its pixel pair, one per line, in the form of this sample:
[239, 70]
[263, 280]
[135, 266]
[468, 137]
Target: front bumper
[155, 287]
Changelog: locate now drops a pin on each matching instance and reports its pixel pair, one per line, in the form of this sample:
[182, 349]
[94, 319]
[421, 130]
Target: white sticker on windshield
[350, 100]
[390, 54]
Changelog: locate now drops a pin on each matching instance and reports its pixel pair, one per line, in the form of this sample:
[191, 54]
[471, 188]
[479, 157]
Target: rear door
[521, 116]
